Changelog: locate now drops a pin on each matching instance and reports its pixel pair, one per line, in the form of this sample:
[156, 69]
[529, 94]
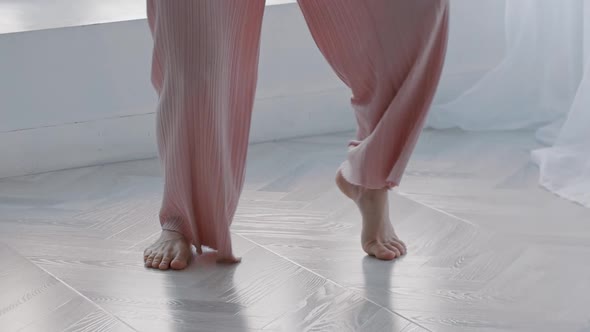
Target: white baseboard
[131, 137]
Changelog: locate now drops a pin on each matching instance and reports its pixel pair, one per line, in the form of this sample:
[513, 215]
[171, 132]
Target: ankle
[171, 234]
[357, 192]
[372, 193]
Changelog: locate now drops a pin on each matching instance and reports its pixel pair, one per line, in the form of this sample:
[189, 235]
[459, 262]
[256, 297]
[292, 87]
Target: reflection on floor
[489, 250]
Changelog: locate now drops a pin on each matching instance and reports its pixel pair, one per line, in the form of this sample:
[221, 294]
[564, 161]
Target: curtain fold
[541, 83]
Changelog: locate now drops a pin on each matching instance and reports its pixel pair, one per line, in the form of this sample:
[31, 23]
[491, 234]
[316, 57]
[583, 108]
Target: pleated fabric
[205, 65]
[205, 60]
[390, 53]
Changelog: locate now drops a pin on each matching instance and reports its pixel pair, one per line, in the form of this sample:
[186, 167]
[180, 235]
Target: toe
[402, 243]
[381, 252]
[157, 260]
[399, 246]
[180, 261]
[150, 259]
[178, 264]
[165, 264]
[385, 254]
[146, 254]
[393, 248]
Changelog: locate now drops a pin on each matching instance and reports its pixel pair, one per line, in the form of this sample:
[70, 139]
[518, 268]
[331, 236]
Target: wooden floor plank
[33, 300]
[488, 249]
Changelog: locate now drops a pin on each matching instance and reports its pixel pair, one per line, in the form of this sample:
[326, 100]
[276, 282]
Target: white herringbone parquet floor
[489, 249]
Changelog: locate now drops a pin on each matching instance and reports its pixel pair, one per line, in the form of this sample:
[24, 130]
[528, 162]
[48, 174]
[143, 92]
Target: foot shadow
[378, 280]
[195, 297]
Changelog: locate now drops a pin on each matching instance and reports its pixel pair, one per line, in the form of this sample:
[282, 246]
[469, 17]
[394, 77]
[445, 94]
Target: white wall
[80, 96]
[476, 44]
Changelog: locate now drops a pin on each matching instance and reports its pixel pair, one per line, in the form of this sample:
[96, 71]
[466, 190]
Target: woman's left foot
[378, 238]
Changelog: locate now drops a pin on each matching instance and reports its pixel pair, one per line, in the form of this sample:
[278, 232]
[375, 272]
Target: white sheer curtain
[541, 82]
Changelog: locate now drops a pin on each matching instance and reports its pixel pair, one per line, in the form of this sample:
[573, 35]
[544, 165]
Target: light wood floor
[489, 250]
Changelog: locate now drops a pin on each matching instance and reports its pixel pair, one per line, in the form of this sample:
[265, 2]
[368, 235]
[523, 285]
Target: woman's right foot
[171, 250]
[378, 237]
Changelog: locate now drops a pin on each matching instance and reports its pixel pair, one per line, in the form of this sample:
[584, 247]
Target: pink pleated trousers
[205, 61]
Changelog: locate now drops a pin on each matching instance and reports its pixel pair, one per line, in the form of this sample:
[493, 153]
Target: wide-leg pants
[205, 61]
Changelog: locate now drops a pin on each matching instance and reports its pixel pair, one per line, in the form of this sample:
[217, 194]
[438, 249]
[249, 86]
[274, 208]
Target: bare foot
[378, 237]
[171, 250]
